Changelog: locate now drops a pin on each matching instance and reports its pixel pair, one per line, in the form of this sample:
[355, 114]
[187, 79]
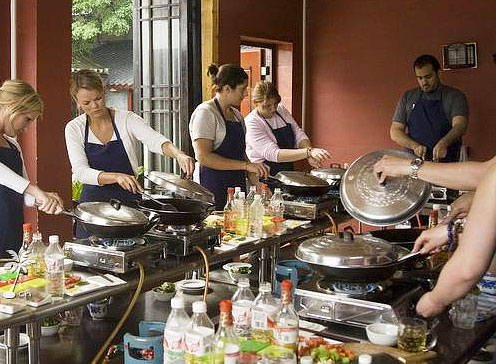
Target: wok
[298, 183]
[397, 236]
[112, 219]
[189, 212]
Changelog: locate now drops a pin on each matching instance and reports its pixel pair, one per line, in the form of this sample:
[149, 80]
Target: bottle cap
[265, 287]
[225, 306]
[436, 206]
[37, 235]
[286, 285]
[257, 197]
[177, 302]
[230, 190]
[53, 239]
[277, 190]
[243, 282]
[242, 195]
[253, 188]
[365, 359]
[27, 227]
[237, 189]
[306, 360]
[199, 307]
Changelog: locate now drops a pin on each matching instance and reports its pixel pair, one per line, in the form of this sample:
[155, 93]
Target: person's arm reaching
[399, 136]
[473, 255]
[186, 162]
[441, 148]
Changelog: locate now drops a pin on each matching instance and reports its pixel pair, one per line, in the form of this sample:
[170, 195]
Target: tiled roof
[81, 62]
[117, 57]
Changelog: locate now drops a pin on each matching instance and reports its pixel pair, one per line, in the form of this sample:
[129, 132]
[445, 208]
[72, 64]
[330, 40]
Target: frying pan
[189, 212]
[298, 183]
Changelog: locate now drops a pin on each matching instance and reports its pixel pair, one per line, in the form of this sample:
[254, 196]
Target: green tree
[92, 19]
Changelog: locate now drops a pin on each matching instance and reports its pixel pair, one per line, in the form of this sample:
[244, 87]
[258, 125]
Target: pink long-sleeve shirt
[261, 144]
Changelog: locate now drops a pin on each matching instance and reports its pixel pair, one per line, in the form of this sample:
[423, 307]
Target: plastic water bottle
[256, 217]
[37, 249]
[230, 213]
[175, 330]
[54, 260]
[242, 302]
[226, 341]
[241, 215]
[251, 195]
[199, 338]
[263, 314]
[277, 211]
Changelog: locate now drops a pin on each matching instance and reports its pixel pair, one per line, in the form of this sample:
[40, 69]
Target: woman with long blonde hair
[20, 105]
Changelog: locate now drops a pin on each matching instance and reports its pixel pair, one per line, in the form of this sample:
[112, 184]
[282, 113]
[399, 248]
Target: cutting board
[406, 357]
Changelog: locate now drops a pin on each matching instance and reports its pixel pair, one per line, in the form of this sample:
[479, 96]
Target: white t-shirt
[207, 123]
[132, 128]
[12, 180]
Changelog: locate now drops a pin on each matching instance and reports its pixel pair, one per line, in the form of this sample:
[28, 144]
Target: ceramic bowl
[99, 309]
[68, 263]
[487, 284]
[231, 268]
[162, 296]
[49, 330]
[382, 334]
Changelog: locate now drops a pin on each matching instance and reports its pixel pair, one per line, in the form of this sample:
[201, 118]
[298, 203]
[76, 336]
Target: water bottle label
[286, 335]
[54, 265]
[241, 315]
[231, 357]
[174, 340]
[197, 344]
[259, 320]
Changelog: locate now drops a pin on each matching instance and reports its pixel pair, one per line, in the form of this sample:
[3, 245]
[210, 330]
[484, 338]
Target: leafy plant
[77, 188]
[49, 321]
[19, 261]
[166, 287]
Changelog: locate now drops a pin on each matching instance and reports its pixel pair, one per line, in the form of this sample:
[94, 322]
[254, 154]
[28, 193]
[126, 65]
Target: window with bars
[167, 71]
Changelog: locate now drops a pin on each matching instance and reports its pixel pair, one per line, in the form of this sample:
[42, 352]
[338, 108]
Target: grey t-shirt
[454, 102]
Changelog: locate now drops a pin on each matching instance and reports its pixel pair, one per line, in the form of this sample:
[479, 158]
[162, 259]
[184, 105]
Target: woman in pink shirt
[272, 135]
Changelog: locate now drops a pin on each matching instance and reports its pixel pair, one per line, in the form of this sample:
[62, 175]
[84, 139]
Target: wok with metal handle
[188, 212]
[298, 183]
[332, 175]
[112, 219]
[348, 258]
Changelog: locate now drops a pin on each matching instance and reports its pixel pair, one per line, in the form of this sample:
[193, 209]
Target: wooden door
[251, 61]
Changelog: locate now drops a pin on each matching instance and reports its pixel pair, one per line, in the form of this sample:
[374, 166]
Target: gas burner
[353, 290]
[121, 244]
[179, 229]
[307, 199]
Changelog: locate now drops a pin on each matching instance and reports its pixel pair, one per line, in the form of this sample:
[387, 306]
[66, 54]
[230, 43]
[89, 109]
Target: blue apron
[285, 140]
[428, 124]
[233, 147]
[110, 157]
[11, 203]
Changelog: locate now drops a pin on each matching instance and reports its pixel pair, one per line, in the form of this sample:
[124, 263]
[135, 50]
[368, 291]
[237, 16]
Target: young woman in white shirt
[101, 144]
[20, 105]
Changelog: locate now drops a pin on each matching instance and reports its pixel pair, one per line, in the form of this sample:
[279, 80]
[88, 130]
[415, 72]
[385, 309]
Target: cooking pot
[354, 258]
[298, 183]
[332, 175]
[112, 219]
[188, 212]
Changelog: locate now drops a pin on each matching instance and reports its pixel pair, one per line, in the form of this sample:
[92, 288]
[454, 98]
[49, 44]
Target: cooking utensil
[298, 183]
[354, 258]
[397, 236]
[180, 186]
[12, 294]
[390, 203]
[188, 212]
[112, 219]
[164, 206]
[332, 175]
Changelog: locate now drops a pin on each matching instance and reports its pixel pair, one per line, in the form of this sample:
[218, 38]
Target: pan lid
[346, 250]
[395, 201]
[302, 179]
[180, 186]
[111, 213]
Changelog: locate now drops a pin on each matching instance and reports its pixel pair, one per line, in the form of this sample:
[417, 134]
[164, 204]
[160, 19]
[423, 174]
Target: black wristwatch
[415, 166]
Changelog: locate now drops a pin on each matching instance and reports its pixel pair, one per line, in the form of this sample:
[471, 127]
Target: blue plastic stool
[150, 342]
[288, 269]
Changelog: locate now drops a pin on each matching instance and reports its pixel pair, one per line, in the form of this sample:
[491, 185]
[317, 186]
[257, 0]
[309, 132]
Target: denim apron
[427, 124]
[285, 140]
[110, 157]
[233, 147]
[11, 203]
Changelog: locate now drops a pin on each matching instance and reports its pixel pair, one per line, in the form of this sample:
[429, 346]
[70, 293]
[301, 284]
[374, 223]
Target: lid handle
[116, 204]
[346, 236]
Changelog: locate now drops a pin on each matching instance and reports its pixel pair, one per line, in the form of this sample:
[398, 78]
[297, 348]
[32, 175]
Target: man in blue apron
[431, 119]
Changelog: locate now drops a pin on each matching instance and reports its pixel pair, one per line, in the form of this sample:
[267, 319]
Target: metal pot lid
[109, 214]
[180, 186]
[395, 201]
[346, 251]
[302, 179]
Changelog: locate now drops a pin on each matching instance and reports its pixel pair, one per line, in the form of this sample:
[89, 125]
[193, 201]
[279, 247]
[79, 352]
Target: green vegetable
[49, 321]
[166, 287]
[241, 270]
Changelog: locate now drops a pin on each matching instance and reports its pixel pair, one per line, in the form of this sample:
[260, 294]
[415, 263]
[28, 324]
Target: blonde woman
[272, 135]
[20, 105]
[101, 144]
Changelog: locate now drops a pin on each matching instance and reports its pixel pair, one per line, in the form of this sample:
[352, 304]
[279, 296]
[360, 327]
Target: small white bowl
[382, 334]
[68, 263]
[163, 296]
[49, 330]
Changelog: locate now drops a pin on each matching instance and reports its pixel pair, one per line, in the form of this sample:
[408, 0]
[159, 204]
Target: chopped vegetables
[322, 352]
[166, 287]
[241, 270]
[49, 321]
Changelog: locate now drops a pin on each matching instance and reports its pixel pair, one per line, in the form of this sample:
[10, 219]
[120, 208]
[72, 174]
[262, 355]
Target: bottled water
[54, 260]
[175, 330]
[277, 211]
[230, 213]
[263, 313]
[241, 215]
[199, 338]
[242, 302]
[37, 249]
[256, 217]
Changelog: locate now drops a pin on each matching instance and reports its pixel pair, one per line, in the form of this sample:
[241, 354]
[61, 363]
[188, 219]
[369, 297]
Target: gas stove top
[357, 305]
[309, 207]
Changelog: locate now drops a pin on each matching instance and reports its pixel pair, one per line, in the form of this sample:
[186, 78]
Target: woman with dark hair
[218, 134]
[272, 135]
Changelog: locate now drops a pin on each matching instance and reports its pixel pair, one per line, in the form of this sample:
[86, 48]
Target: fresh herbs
[166, 287]
[241, 270]
[49, 321]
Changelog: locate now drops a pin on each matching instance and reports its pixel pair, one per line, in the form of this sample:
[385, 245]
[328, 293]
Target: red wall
[270, 20]
[360, 56]
[4, 40]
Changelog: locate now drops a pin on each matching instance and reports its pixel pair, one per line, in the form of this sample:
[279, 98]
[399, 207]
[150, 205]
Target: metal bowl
[396, 200]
